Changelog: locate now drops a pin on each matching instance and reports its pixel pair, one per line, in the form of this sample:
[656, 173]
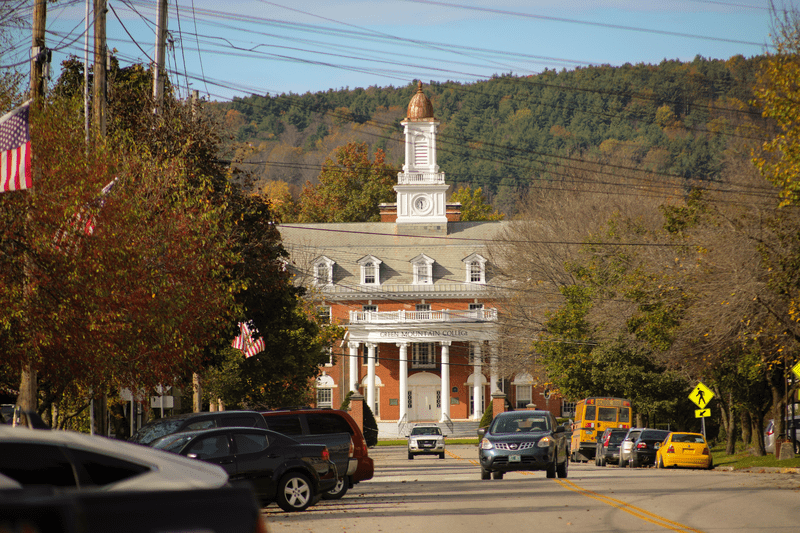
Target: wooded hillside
[510, 133]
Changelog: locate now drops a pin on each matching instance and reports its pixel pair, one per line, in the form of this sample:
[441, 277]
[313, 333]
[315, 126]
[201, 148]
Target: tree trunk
[778, 407]
[746, 427]
[28, 388]
[758, 434]
[729, 423]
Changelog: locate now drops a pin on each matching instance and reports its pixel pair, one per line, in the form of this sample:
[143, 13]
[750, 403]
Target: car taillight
[671, 449]
[770, 432]
[606, 441]
[589, 425]
[352, 448]
[706, 451]
[641, 446]
[326, 455]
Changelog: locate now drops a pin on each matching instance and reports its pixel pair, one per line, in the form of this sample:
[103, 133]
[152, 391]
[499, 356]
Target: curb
[760, 470]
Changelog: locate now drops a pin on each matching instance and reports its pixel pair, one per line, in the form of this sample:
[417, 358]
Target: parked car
[769, 433]
[644, 447]
[627, 445]
[280, 469]
[523, 441]
[193, 421]
[608, 447]
[67, 459]
[684, 449]
[426, 439]
[319, 426]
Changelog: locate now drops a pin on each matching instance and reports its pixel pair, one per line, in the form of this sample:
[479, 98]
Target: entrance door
[425, 403]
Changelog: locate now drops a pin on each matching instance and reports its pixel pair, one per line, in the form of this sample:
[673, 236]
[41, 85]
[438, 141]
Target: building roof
[420, 107]
[347, 243]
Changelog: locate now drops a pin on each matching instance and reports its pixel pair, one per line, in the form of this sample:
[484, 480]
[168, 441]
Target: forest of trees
[510, 133]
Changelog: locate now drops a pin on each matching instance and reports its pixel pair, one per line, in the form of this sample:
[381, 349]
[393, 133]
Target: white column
[353, 346]
[477, 388]
[445, 381]
[403, 379]
[493, 368]
[371, 375]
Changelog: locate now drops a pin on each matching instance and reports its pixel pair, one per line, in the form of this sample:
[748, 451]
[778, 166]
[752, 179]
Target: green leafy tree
[474, 206]
[351, 186]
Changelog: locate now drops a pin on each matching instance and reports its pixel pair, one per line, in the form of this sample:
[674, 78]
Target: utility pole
[27, 400]
[161, 42]
[99, 94]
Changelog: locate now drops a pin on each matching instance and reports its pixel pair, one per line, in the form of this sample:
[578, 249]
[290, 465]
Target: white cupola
[421, 190]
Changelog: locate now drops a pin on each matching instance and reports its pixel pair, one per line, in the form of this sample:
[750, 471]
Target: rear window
[36, 464]
[154, 430]
[654, 435]
[616, 437]
[104, 470]
[327, 423]
[286, 424]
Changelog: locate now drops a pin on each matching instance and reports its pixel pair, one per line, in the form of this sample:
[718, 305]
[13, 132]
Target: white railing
[410, 178]
[405, 317]
[403, 288]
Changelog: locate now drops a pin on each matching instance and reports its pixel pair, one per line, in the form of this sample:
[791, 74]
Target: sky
[230, 48]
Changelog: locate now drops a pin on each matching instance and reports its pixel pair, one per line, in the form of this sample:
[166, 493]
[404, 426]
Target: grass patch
[744, 459]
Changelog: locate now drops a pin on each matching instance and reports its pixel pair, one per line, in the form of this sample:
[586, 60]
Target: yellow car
[684, 449]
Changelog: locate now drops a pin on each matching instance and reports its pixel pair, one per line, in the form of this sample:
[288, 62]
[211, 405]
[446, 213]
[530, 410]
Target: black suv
[644, 447]
[608, 447]
[192, 421]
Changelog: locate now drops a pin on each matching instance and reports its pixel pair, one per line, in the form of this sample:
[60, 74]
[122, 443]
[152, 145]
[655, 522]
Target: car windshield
[171, 443]
[520, 423]
[683, 437]
[152, 431]
[426, 431]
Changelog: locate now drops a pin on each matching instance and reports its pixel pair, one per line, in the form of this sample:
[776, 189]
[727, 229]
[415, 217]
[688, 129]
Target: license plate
[514, 458]
[427, 445]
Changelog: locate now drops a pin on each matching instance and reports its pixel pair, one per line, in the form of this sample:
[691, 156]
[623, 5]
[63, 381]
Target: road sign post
[700, 396]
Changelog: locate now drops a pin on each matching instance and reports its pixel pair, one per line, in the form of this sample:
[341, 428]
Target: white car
[67, 459]
[426, 439]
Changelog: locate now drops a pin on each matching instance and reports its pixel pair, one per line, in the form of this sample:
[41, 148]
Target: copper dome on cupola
[419, 108]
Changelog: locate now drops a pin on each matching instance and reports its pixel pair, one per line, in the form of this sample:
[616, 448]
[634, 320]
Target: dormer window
[423, 269]
[475, 267]
[370, 270]
[323, 271]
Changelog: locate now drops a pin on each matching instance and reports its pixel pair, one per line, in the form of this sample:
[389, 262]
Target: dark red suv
[314, 424]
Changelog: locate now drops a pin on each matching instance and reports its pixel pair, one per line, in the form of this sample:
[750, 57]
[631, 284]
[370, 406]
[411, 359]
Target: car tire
[337, 492]
[551, 470]
[497, 475]
[563, 468]
[410, 456]
[635, 463]
[596, 460]
[602, 461]
[485, 474]
[623, 463]
[441, 455]
[711, 464]
[295, 492]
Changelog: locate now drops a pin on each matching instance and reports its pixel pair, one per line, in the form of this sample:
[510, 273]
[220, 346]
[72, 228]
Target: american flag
[244, 341]
[83, 222]
[15, 150]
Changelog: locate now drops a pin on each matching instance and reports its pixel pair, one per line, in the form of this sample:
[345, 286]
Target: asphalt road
[435, 496]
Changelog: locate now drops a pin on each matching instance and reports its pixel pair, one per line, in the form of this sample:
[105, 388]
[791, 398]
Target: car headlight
[545, 442]
[486, 444]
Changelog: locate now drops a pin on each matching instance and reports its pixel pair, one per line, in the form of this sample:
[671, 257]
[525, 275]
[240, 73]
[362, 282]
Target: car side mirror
[481, 432]
[657, 445]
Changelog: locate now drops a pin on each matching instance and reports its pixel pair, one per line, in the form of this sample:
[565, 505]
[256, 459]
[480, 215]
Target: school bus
[592, 417]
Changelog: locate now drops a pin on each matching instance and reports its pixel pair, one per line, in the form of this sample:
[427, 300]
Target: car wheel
[596, 460]
[711, 464]
[295, 492]
[551, 470]
[441, 455]
[561, 469]
[660, 462]
[623, 463]
[635, 463]
[485, 474]
[497, 475]
[338, 491]
[602, 461]
[410, 456]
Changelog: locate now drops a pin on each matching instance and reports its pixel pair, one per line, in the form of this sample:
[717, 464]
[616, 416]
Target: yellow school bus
[592, 417]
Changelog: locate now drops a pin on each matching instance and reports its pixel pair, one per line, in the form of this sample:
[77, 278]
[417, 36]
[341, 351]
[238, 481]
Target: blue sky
[228, 48]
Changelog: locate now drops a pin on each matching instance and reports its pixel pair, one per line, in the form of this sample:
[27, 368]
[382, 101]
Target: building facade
[414, 292]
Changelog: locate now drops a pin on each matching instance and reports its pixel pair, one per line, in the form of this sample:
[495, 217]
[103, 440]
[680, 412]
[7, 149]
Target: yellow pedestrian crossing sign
[796, 369]
[702, 413]
[701, 395]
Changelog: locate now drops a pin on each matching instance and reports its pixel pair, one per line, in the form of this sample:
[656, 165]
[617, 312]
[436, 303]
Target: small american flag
[244, 341]
[15, 150]
[83, 222]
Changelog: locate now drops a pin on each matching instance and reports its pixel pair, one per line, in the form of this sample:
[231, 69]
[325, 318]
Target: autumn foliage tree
[351, 187]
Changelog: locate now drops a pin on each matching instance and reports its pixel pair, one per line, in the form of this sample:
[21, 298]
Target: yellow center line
[628, 508]
[638, 512]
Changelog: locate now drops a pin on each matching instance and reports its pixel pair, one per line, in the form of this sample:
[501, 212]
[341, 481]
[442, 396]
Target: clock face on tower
[422, 204]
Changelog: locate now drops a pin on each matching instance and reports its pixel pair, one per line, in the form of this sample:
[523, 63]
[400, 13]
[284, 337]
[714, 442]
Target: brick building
[413, 291]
